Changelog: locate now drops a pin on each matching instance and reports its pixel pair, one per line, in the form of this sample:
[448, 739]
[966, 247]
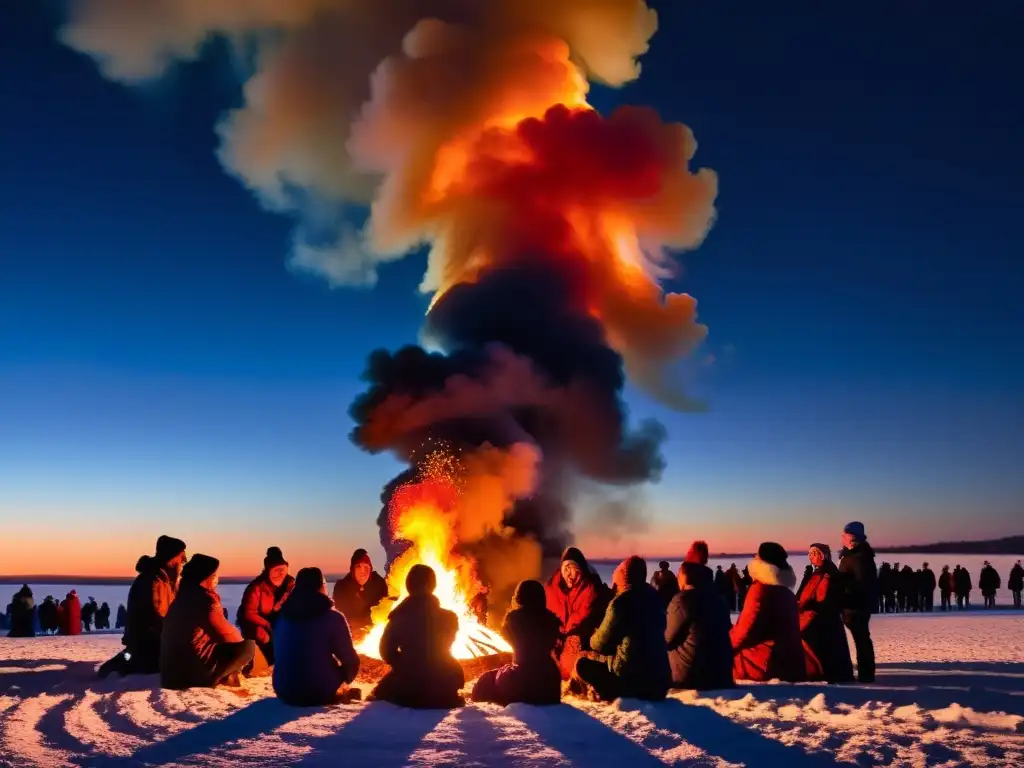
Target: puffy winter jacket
[193, 628]
[261, 602]
[71, 615]
[313, 651]
[826, 652]
[860, 578]
[356, 602]
[697, 636]
[149, 599]
[766, 639]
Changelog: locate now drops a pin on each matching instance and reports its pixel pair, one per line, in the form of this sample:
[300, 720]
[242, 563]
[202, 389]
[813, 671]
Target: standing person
[699, 554]
[860, 591]
[122, 616]
[577, 597]
[89, 614]
[766, 642]
[745, 583]
[962, 577]
[103, 617]
[1016, 583]
[697, 635]
[262, 601]
[665, 582]
[360, 592]
[826, 651]
[927, 589]
[71, 615]
[48, 615]
[737, 585]
[316, 659]
[23, 614]
[149, 599]
[989, 583]
[725, 587]
[199, 647]
[883, 580]
[945, 588]
[630, 643]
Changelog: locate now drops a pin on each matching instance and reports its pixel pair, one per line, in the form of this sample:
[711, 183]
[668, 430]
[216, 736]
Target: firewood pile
[372, 670]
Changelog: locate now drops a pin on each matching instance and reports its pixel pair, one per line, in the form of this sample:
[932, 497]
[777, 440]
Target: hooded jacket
[193, 628]
[356, 602]
[313, 650]
[766, 639]
[261, 602]
[697, 636]
[149, 599]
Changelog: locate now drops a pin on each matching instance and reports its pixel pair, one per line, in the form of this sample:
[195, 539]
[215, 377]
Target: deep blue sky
[162, 370]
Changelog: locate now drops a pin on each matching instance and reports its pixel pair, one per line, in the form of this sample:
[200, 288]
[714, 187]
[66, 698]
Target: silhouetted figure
[989, 583]
[316, 659]
[888, 577]
[629, 657]
[533, 676]
[906, 589]
[1016, 583]
[883, 578]
[698, 553]
[808, 572]
[963, 585]
[860, 595]
[122, 616]
[745, 583]
[766, 640]
[70, 617]
[697, 634]
[927, 589]
[737, 586]
[576, 595]
[199, 647]
[89, 614]
[262, 601]
[359, 592]
[665, 582]
[417, 645]
[826, 652]
[48, 615]
[946, 588]
[725, 587]
[23, 614]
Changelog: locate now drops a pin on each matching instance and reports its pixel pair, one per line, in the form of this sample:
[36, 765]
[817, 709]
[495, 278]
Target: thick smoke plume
[465, 126]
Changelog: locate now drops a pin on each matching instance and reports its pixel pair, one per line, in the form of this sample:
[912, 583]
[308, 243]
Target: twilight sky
[162, 371]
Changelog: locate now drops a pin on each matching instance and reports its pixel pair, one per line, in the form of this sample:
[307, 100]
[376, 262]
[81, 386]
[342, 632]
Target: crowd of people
[23, 618]
[572, 634]
[904, 590]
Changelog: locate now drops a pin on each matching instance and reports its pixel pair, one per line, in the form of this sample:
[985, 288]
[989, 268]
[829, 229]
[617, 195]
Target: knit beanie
[856, 530]
[274, 558]
[773, 554]
[823, 548]
[199, 568]
[168, 548]
[360, 557]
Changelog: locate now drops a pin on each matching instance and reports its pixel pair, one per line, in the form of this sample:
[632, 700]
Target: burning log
[371, 670]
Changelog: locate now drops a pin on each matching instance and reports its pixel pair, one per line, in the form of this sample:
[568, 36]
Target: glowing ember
[422, 516]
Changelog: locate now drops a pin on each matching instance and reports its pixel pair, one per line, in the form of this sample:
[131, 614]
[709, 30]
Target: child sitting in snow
[533, 631]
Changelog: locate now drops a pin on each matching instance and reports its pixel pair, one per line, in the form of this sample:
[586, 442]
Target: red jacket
[826, 651]
[766, 639]
[579, 610]
[261, 603]
[71, 615]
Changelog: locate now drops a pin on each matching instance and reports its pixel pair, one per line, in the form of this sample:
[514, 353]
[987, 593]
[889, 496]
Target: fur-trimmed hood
[772, 575]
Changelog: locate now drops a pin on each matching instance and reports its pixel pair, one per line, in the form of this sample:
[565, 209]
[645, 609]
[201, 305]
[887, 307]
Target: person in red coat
[576, 595]
[826, 652]
[262, 601]
[766, 641]
[71, 615]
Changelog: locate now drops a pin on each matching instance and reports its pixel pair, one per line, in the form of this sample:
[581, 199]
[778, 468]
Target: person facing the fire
[629, 655]
[417, 643]
[262, 602]
[532, 631]
[199, 647]
[359, 592]
[316, 659]
[577, 597]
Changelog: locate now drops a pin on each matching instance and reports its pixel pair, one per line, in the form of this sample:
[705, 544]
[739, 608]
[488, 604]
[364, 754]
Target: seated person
[359, 592]
[577, 597]
[199, 647]
[316, 660]
[629, 657]
[532, 631]
[417, 643]
[766, 640]
[262, 601]
[697, 633]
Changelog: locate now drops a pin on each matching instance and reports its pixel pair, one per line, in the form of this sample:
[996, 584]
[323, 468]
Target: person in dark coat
[533, 676]
[826, 652]
[23, 614]
[697, 634]
[103, 616]
[725, 587]
[149, 599]
[122, 616]
[927, 589]
[630, 643]
[316, 660]
[262, 600]
[417, 644]
[48, 615]
[699, 554]
[576, 595]
[1016, 583]
[359, 592]
[737, 586]
[860, 595]
[962, 586]
[745, 584]
[71, 615]
[665, 582]
[766, 641]
[89, 614]
[989, 583]
[199, 647]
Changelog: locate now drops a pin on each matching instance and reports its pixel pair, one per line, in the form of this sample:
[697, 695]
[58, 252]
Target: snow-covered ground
[950, 692]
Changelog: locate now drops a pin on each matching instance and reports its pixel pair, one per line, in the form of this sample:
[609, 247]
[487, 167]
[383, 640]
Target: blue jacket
[313, 651]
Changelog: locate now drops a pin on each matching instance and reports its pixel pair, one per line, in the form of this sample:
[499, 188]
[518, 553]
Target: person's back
[665, 582]
[23, 614]
[314, 654]
[71, 615]
[697, 635]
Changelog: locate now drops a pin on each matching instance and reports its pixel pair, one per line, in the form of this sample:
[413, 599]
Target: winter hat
[636, 570]
[663, 565]
[168, 548]
[421, 580]
[360, 556]
[693, 574]
[574, 555]
[143, 563]
[856, 530]
[199, 568]
[825, 550]
[698, 553]
[773, 554]
[274, 558]
[530, 594]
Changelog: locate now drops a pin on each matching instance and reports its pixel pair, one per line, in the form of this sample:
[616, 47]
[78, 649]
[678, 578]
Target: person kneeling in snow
[697, 633]
[316, 660]
[630, 643]
[417, 643]
[199, 647]
[532, 631]
[766, 640]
